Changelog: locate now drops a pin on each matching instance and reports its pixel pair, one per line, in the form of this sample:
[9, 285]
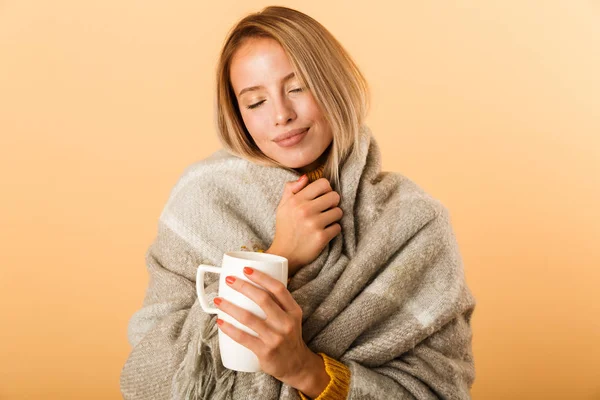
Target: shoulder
[214, 167]
[429, 216]
[206, 179]
[222, 181]
[392, 194]
[403, 198]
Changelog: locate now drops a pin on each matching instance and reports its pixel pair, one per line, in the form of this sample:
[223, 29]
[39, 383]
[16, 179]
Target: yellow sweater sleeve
[338, 386]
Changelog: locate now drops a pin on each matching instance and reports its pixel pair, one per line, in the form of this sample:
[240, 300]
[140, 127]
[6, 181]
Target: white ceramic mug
[233, 355]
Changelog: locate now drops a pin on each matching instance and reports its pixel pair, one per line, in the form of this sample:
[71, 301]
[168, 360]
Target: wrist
[314, 378]
[273, 250]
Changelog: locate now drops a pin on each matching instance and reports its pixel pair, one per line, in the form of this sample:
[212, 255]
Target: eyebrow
[251, 88]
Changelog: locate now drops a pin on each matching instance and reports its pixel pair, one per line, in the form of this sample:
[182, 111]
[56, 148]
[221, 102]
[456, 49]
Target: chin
[292, 162]
[295, 165]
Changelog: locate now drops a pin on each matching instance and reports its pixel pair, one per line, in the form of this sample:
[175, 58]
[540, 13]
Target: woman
[376, 307]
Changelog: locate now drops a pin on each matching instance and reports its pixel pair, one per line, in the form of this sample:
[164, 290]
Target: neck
[318, 163]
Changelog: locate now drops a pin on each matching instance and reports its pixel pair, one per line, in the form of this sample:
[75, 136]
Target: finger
[315, 189]
[300, 184]
[260, 296]
[329, 217]
[325, 202]
[247, 340]
[332, 231]
[293, 187]
[275, 287]
[243, 316]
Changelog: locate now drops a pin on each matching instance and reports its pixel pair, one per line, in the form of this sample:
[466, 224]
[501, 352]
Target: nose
[284, 111]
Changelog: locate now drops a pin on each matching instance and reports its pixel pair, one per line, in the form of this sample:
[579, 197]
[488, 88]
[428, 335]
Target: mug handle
[200, 286]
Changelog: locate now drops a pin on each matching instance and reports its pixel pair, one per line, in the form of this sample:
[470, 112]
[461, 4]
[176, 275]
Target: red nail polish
[230, 280]
[219, 321]
[217, 300]
[248, 270]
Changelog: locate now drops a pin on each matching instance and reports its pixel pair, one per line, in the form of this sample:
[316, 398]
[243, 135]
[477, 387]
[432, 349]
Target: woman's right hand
[306, 221]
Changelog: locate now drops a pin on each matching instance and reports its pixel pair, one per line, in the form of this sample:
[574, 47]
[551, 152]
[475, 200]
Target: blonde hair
[321, 64]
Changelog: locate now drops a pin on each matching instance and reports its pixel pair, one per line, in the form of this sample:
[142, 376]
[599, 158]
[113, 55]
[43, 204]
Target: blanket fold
[387, 296]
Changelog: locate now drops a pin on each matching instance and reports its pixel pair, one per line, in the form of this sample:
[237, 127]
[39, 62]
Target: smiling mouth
[292, 140]
[290, 134]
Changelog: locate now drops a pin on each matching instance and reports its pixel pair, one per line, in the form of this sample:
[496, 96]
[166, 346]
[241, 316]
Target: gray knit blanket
[387, 296]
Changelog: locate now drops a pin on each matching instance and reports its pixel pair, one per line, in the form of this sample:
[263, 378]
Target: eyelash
[252, 106]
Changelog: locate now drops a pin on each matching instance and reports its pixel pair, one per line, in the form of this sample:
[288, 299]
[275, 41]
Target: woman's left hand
[279, 346]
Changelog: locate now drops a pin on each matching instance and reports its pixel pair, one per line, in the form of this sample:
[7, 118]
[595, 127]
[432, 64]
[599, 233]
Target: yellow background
[492, 107]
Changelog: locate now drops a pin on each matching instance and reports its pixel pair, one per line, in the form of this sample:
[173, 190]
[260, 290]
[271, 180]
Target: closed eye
[255, 105]
[251, 106]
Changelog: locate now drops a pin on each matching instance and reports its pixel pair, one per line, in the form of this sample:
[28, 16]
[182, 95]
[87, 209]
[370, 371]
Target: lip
[289, 134]
[294, 139]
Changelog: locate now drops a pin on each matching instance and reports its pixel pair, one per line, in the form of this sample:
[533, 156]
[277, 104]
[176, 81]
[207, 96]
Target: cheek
[255, 124]
[310, 108]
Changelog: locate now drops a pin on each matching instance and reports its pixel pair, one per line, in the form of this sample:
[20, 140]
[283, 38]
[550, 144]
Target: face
[273, 102]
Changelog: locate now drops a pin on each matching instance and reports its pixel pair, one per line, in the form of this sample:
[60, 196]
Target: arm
[432, 370]
[440, 364]
[328, 379]
[162, 330]
[437, 368]
[324, 378]
[427, 360]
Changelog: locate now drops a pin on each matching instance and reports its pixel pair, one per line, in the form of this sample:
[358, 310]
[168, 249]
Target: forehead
[258, 61]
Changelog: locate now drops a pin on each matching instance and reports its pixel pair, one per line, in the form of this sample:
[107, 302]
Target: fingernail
[219, 321]
[230, 280]
[302, 177]
[217, 300]
[248, 270]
